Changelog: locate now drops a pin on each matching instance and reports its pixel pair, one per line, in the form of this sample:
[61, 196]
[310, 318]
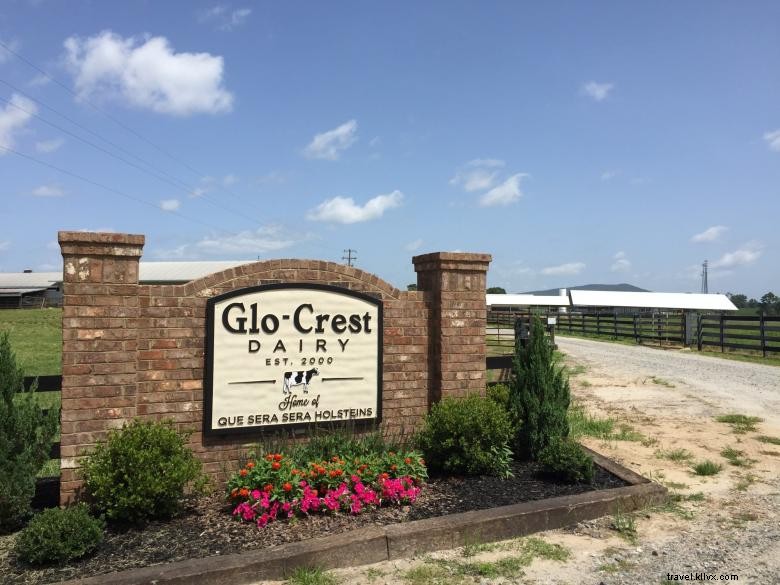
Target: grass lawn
[36, 338]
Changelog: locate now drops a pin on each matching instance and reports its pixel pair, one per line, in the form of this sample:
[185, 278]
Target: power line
[175, 184]
[115, 120]
[107, 188]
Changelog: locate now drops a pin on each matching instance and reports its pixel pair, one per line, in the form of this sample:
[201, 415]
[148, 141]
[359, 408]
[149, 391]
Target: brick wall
[133, 350]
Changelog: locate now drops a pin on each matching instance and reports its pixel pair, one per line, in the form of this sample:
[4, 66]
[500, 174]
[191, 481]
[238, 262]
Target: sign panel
[286, 356]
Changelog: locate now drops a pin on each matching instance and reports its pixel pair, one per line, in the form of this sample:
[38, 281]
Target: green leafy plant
[707, 467]
[625, 525]
[566, 460]
[141, 472]
[768, 439]
[740, 423]
[499, 393]
[311, 576]
[540, 395]
[59, 535]
[736, 457]
[467, 435]
[26, 433]
[674, 454]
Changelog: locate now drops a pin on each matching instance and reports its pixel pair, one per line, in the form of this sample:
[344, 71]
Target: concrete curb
[371, 545]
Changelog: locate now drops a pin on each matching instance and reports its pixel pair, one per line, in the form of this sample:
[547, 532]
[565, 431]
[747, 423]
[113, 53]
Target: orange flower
[269, 487]
[275, 465]
[393, 467]
[233, 492]
[408, 460]
[294, 472]
[335, 459]
[269, 457]
[287, 486]
[277, 457]
[250, 464]
[244, 492]
[333, 473]
[243, 473]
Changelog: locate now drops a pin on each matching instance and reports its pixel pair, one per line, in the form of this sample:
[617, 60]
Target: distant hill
[622, 287]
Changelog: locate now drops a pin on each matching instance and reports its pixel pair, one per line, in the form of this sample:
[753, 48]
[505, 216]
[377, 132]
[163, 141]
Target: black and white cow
[300, 378]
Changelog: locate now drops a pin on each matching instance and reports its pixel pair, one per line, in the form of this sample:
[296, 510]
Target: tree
[740, 301]
[411, 286]
[496, 290]
[770, 303]
[539, 395]
[26, 433]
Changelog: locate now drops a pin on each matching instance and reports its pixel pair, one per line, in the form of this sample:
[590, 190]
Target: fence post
[615, 324]
[722, 348]
[636, 333]
[761, 327]
[659, 329]
[698, 331]
[598, 323]
[582, 329]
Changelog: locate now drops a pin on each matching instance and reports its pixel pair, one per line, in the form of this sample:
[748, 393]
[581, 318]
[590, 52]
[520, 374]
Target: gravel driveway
[728, 385]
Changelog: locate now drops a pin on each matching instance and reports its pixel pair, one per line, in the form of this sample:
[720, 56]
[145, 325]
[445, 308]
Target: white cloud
[229, 180]
[5, 55]
[329, 145]
[743, 256]
[48, 191]
[564, 269]
[13, 118]
[170, 204]
[710, 234]
[39, 80]
[248, 242]
[773, 139]
[621, 263]
[147, 73]
[597, 91]
[225, 18]
[609, 175]
[505, 193]
[414, 246]
[4, 245]
[47, 146]
[477, 174]
[344, 209]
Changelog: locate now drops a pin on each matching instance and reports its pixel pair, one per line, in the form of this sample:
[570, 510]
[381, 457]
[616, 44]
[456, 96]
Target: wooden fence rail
[740, 332]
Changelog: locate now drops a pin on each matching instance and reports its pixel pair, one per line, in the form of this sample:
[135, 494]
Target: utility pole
[350, 256]
[704, 286]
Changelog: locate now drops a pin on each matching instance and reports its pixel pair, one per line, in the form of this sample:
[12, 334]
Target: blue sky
[575, 142]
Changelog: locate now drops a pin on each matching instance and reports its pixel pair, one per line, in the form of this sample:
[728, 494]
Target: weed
[614, 567]
[696, 497]
[649, 441]
[311, 576]
[372, 574]
[429, 574]
[672, 506]
[673, 485]
[736, 457]
[740, 423]
[625, 525]
[585, 383]
[770, 453]
[577, 370]
[662, 382]
[745, 482]
[674, 454]
[627, 433]
[583, 424]
[767, 439]
[706, 467]
[474, 547]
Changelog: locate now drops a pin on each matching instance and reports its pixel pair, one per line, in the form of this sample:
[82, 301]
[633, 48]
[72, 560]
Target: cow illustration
[300, 378]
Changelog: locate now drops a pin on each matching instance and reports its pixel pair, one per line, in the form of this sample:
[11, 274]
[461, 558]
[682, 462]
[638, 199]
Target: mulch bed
[206, 527]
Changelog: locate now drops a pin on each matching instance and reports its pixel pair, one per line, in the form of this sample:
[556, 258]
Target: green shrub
[141, 472]
[26, 433]
[499, 393]
[59, 535]
[467, 435]
[566, 460]
[539, 395]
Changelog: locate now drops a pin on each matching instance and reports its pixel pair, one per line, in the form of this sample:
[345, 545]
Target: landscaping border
[372, 545]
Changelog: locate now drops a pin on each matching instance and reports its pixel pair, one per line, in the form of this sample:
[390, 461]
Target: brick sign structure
[138, 351]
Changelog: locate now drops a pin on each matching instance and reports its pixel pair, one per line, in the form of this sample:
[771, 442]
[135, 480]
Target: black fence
[642, 327]
[47, 489]
[754, 333]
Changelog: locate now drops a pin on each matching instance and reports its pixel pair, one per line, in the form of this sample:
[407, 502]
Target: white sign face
[552, 320]
[280, 356]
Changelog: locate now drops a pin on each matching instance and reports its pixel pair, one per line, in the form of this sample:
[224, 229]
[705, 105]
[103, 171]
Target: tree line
[769, 304]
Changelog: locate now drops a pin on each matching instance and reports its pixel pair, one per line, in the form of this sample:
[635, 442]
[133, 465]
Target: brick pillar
[99, 342]
[455, 284]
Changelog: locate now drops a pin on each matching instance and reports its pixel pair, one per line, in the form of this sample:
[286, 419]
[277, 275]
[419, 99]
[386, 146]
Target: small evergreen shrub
[26, 433]
[59, 535]
[467, 435]
[141, 472]
[539, 395]
[566, 461]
